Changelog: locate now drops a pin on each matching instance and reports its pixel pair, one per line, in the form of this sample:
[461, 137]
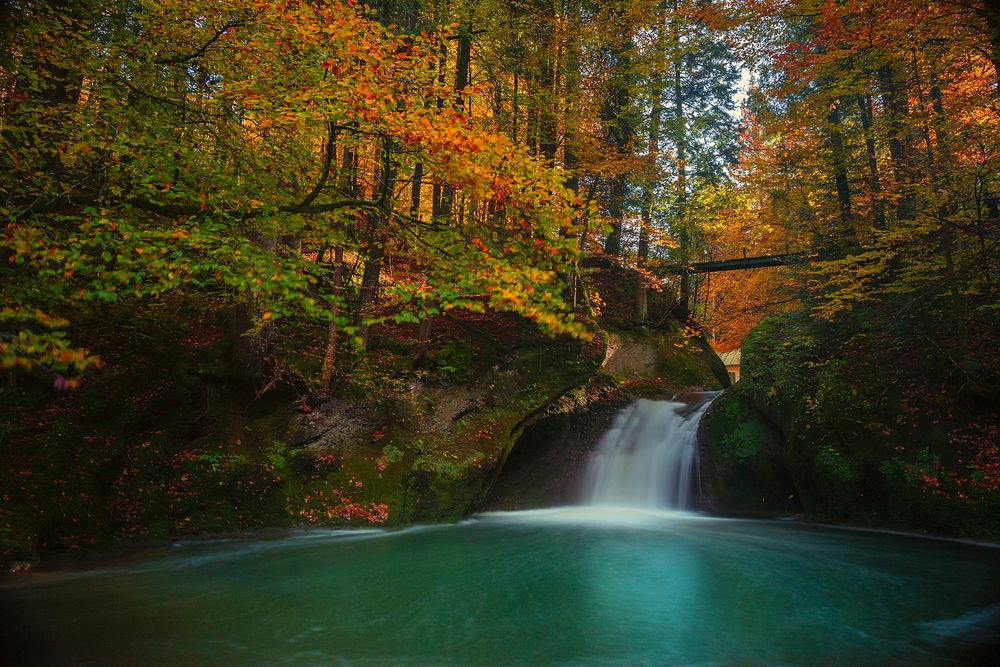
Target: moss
[744, 462]
[877, 428]
[744, 439]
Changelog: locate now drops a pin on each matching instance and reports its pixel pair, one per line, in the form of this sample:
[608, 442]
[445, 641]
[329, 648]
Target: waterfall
[648, 459]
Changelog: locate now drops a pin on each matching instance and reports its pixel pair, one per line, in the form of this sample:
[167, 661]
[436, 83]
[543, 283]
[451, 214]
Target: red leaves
[61, 383]
[501, 193]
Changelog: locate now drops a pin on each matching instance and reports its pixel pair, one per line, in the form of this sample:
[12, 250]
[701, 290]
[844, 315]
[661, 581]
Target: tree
[884, 113]
[201, 152]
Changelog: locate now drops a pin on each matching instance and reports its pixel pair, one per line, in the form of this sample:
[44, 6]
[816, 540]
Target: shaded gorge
[634, 583]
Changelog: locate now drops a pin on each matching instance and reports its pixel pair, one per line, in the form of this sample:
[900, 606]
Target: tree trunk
[418, 176]
[370, 279]
[436, 191]
[683, 309]
[948, 235]
[376, 253]
[548, 140]
[618, 135]
[847, 236]
[571, 126]
[332, 331]
[867, 121]
[463, 57]
[897, 110]
[649, 186]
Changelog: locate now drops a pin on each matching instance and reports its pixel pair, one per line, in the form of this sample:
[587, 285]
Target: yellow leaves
[49, 321]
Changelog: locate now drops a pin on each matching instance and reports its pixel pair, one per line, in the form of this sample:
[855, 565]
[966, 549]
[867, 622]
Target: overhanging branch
[66, 202]
[177, 60]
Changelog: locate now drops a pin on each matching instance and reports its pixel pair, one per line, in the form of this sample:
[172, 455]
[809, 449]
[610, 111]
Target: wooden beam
[739, 264]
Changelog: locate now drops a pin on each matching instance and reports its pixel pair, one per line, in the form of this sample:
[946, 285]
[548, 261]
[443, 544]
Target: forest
[232, 206]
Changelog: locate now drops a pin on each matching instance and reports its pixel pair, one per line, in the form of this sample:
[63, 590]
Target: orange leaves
[501, 190]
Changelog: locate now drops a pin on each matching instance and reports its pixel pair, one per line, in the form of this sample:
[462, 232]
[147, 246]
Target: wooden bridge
[740, 263]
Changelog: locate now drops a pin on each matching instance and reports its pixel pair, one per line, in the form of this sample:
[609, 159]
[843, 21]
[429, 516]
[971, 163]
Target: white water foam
[648, 459]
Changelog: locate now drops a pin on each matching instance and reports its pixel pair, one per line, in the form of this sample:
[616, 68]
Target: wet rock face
[546, 464]
[630, 358]
[743, 462]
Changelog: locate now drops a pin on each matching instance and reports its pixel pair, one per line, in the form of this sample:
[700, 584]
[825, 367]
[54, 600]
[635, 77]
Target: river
[588, 585]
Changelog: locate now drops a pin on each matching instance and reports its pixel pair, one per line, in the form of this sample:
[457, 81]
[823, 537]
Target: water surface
[566, 586]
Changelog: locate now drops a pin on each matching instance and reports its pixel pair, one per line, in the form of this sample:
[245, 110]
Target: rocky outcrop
[744, 462]
[546, 464]
[826, 422]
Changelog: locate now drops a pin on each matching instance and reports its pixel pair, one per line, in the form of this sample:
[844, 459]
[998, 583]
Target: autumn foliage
[164, 145]
[328, 194]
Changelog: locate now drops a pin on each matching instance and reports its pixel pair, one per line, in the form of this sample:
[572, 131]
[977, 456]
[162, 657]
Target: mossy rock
[744, 463]
[876, 426]
[655, 363]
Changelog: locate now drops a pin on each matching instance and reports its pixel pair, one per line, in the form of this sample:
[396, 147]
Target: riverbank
[175, 438]
[826, 422]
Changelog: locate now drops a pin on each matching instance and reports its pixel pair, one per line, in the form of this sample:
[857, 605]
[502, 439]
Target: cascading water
[649, 458]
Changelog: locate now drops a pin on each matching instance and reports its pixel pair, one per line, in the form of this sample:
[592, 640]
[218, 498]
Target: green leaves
[31, 339]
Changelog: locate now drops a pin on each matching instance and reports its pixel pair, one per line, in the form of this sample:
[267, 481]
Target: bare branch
[177, 60]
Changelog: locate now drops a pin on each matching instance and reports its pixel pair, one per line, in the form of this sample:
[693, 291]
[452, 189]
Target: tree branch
[178, 210]
[177, 60]
[331, 134]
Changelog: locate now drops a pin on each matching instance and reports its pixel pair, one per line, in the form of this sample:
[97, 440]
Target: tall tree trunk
[463, 58]
[652, 156]
[371, 276]
[445, 200]
[571, 132]
[514, 101]
[531, 126]
[894, 101]
[437, 191]
[680, 143]
[347, 185]
[847, 236]
[948, 235]
[370, 279]
[874, 185]
[415, 187]
[618, 135]
[332, 331]
[548, 140]
[616, 211]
